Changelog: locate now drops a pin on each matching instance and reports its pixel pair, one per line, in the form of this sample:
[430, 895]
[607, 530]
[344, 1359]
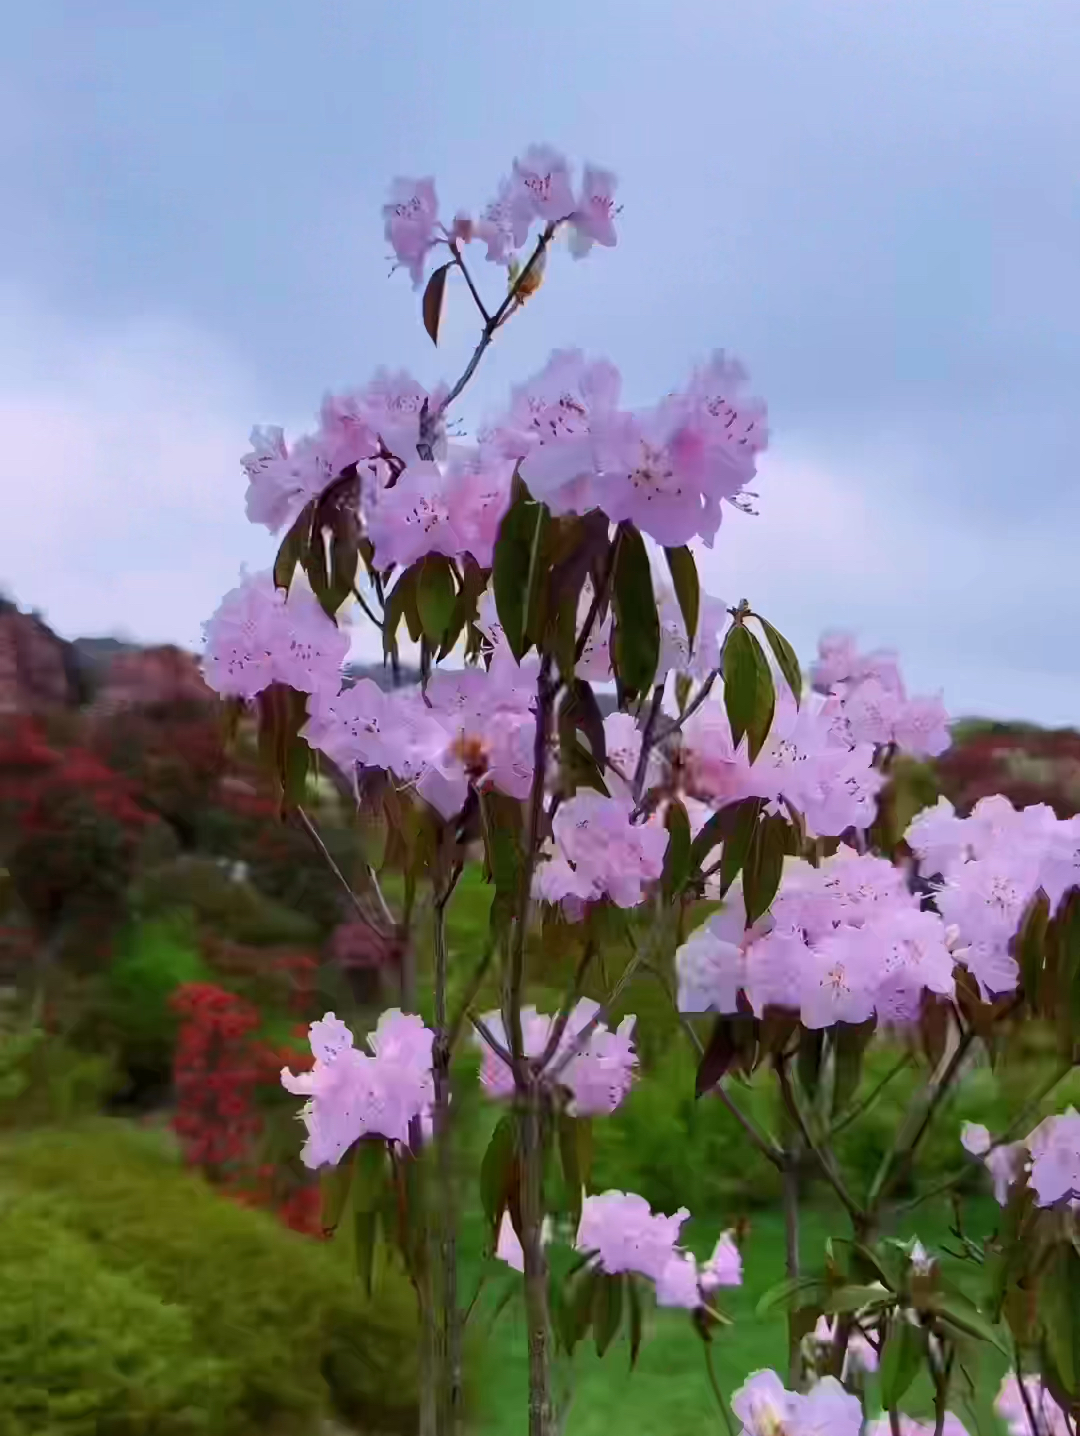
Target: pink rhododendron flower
[1054, 1146]
[353, 1095]
[676, 653]
[874, 700]
[724, 1267]
[495, 227]
[711, 966]
[552, 428]
[1013, 1409]
[281, 481]
[257, 636]
[453, 509]
[624, 1235]
[540, 189]
[597, 1076]
[765, 1406]
[828, 1410]
[412, 216]
[599, 852]
[593, 219]
[860, 1354]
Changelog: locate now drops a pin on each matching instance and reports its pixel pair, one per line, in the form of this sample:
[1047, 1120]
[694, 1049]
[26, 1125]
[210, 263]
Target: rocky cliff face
[38, 670]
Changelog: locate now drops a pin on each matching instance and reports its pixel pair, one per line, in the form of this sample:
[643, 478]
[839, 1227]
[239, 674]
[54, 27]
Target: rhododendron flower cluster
[809, 760]
[598, 851]
[844, 941]
[623, 1234]
[876, 706]
[667, 469]
[594, 1064]
[1049, 1155]
[258, 636]
[353, 1094]
[908, 1426]
[1014, 1410]
[990, 866]
[540, 189]
[767, 1408]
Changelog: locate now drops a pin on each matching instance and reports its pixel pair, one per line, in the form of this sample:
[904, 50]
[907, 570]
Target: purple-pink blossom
[258, 636]
[352, 1094]
[412, 217]
[598, 851]
[596, 1070]
[766, 1408]
[623, 1234]
[1014, 1410]
[724, 1267]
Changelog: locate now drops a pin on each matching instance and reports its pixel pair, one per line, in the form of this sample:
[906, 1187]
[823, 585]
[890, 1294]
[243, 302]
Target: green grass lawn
[668, 1393]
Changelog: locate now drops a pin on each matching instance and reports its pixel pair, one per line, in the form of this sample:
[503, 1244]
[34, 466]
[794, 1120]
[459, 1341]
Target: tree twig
[822, 1156]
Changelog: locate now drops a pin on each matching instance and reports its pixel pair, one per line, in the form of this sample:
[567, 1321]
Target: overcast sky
[875, 204]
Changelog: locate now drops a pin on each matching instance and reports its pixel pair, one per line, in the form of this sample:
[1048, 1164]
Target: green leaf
[576, 1306]
[401, 603]
[503, 843]
[435, 597]
[607, 1311]
[497, 1170]
[903, 1355]
[956, 1311]
[1059, 1310]
[570, 1154]
[677, 858]
[335, 1186]
[732, 1044]
[684, 576]
[749, 695]
[1029, 944]
[367, 1229]
[764, 866]
[580, 712]
[293, 547]
[856, 1298]
[634, 1301]
[369, 1179]
[746, 816]
[786, 658]
[636, 641]
[432, 303]
[512, 572]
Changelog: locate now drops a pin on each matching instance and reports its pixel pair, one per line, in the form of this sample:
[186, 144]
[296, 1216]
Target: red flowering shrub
[225, 1077]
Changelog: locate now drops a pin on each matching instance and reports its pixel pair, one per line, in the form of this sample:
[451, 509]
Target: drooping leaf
[293, 547]
[1059, 1309]
[684, 576]
[497, 1170]
[902, 1357]
[732, 1044]
[749, 695]
[432, 304]
[513, 566]
[335, 1186]
[634, 1302]
[607, 1311]
[573, 1146]
[677, 857]
[579, 711]
[1030, 944]
[786, 658]
[576, 1306]
[435, 597]
[746, 816]
[636, 631]
[503, 843]
[401, 604]
[764, 865]
[367, 1229]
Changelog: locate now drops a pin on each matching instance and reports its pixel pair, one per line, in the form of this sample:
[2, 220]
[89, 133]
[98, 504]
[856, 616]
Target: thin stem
[894, 1422]
[696, 702]
[1025, 1394]
[445, 1209]
[460, 262]
[824, 1158]
[541, 1404]
[573, 993]
[369, 873]
[362, 601]
[600, 597]
[899, 1157]
[497, 318]
[765, 1145]
[476, 981]
[648, 739]
[854, 1113]
[582, 1038]
[790, 1174]
[492, 1041]
[715, 1387]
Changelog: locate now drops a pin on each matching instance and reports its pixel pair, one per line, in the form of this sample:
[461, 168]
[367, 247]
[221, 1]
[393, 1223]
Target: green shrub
[234, 910]
[45, 1079]
[282, 1310]
[155, 956]
[85, 1351]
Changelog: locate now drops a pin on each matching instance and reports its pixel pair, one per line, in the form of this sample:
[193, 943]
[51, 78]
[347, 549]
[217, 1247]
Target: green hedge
[281, 1315]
